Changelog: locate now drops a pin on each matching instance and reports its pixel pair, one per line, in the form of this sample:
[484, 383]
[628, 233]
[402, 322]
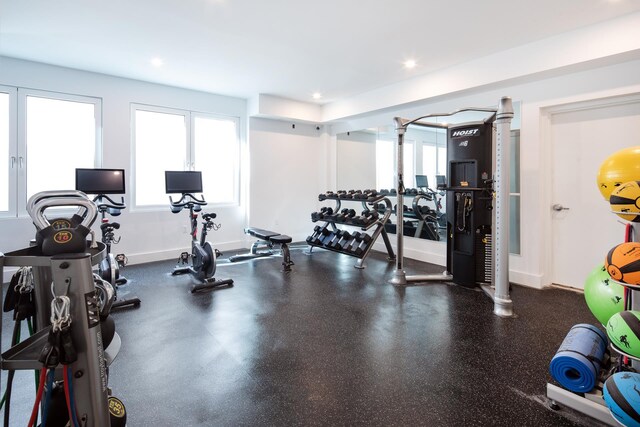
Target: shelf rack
[374, 222]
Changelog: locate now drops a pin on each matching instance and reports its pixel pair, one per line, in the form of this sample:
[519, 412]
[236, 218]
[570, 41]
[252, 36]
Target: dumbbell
[359, 220]
[334, 241]
[384, 192]
[325, 212]
[324, 236]
[340, 217]
[317, 234]
[364, 244]
[315, 216]
[361, 241]
[359, 195]
[322, 196]
[393, 192]
[342, 242]
[352, 245]
[370, 193]
[346, 195]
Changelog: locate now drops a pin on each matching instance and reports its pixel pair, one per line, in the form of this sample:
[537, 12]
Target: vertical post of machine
[399, 276]
[503, 306]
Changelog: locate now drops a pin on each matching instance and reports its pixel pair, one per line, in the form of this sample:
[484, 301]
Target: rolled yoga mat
[577, 362]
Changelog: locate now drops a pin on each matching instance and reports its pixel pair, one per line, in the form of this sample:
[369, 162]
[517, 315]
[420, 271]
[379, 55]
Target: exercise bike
[203, 255]
[109, 268]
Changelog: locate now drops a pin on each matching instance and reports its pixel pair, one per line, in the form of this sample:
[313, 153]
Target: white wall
[356, 161]
[147, 235]
[288, 171]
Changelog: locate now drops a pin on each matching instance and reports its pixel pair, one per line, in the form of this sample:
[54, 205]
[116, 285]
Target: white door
[584, 229]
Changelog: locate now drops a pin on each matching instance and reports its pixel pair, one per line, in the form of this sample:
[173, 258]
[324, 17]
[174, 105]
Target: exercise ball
[620, 393]
[604, 296]
[620, 167]
[623, 263]
[621, 330]
[624, 201]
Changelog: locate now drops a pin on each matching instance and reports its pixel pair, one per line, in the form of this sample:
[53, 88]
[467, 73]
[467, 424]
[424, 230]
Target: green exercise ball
[623, 330]
[604, 297]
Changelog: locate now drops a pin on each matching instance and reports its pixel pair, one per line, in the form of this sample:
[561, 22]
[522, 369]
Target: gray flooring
[328, 344]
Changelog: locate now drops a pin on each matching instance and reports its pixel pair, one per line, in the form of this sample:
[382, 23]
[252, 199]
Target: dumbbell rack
[71, 275]
[368, 203]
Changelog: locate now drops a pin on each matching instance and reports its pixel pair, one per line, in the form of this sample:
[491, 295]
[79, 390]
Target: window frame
[236, 167]
[18, 140]
[13, 159]
[189, 118]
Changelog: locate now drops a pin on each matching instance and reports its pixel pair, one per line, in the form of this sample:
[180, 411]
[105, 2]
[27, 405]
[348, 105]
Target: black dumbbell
[364, 244]
[356, 238]
[336, 240]
[344, 239]
[325, 236]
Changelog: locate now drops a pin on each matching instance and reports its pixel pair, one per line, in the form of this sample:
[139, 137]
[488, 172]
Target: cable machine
[477, 229]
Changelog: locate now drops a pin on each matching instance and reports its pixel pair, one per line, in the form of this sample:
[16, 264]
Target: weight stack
[484, 255]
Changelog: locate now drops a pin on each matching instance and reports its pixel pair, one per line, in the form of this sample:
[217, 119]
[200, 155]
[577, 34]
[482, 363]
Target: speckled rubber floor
[327, 345]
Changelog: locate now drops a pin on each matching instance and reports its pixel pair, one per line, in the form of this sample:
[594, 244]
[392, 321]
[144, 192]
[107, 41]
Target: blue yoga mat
[577, 362]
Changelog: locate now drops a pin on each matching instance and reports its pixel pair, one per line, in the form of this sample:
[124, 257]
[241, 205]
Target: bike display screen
[100, 181]
[183, 182]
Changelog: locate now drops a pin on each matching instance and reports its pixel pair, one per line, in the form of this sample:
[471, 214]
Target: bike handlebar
[187, 199]
[109, 203]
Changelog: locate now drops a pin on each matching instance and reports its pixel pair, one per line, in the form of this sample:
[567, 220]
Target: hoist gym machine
[477, 203]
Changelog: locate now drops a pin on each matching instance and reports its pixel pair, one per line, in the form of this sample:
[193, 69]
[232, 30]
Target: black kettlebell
[54, 238]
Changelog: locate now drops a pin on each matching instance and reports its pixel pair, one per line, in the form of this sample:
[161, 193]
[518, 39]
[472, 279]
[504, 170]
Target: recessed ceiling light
[410, 63]
[157, 62]
[317, 95]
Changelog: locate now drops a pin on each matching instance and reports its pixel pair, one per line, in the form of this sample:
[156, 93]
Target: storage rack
[375, 222]
[71, 275]
[592, 403]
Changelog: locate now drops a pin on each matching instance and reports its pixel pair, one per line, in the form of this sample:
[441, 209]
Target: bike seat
[209, 216]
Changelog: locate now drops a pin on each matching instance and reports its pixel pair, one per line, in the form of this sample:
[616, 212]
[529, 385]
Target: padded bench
[266, 239]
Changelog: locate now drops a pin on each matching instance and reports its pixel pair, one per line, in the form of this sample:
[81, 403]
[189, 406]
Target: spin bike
[110, 265]
[203, 255]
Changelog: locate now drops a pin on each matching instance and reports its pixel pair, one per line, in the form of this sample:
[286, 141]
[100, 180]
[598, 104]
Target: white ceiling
[287, 48]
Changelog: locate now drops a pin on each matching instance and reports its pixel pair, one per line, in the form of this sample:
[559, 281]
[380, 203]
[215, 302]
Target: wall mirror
[366, 159]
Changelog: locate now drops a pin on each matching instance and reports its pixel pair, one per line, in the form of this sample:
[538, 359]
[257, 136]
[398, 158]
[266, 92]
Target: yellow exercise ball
[625, 201]
[620, 167]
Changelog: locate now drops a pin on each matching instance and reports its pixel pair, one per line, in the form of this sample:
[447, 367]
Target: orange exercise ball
[620, 167]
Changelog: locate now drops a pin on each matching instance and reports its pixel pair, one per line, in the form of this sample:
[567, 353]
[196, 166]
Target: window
[160, 141]
[5, 135]
[168, 139]
[44, 137]
[60, 137]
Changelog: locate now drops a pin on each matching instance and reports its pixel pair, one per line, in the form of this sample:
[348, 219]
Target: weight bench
[266, 240]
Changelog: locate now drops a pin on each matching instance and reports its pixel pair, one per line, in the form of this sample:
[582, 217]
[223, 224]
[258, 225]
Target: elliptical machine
[203, 255]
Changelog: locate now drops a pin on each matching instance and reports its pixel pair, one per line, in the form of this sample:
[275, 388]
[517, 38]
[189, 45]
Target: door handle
[558, 207]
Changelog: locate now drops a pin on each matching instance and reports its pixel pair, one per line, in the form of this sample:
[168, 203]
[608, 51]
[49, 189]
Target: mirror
[366, 159]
